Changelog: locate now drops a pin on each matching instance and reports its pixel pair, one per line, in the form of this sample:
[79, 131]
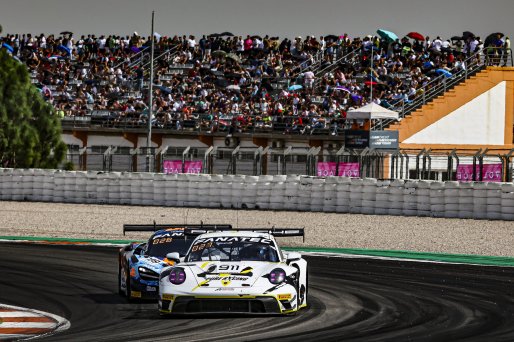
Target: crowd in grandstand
[240, 83]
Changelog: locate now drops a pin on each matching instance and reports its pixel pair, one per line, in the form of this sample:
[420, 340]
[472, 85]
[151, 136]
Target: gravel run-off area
[420, 234]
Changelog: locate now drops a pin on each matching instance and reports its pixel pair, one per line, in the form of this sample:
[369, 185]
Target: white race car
[240, 271]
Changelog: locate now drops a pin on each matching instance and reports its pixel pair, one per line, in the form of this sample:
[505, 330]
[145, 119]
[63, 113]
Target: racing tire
[128, 290]
[120, 290]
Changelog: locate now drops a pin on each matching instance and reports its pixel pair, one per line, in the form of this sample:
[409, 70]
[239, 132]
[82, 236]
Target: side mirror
[174, 257]
[293, 256]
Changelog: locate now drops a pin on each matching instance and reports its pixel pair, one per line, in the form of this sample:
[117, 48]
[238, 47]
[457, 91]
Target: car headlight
[147, 274]
[277, 276]
[177, 276]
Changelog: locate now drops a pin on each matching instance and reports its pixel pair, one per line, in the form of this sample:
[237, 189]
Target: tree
[30, 131]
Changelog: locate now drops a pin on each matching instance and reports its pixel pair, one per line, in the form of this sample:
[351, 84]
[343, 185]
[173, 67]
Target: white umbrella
[372, 111]
[234, 87]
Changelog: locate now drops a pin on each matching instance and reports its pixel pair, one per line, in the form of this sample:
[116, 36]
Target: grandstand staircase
[454, 98]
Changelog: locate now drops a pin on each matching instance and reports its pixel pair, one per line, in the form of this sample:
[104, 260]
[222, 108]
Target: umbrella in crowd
[134, 49]
[332, 37]
[219, 53]
[8, 47]
[342, 89]
[66, 32]
[64, 49]
[233, 57]
[229, 34]
[163, 88]
[234, 88]
[387, 35]
[370, 83]
[444, 72]
[215, 35]
[492, 39]
[416, 36]
[467, 34]
[295, 87]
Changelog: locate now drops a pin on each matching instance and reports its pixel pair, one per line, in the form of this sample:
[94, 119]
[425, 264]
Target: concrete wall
[333, 194]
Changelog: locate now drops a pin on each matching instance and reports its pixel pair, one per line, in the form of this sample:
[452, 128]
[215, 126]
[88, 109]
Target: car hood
[153, 263]
[214, 274]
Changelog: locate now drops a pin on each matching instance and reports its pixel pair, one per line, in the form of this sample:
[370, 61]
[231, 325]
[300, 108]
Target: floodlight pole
[150, 101]
[371, 74]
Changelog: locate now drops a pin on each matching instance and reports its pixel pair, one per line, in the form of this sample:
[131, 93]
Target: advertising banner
[175, 166]
[491, 172]
[327, 169]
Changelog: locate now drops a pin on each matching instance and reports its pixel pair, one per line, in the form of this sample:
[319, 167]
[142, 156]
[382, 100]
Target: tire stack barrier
[291, 192]
[507, 201]
[437, 206]
[304, 193]
[278, 190]
[317, 194]
[330, 195]
[494, 201]
[343, 194]
[423, 198]
[395, 199]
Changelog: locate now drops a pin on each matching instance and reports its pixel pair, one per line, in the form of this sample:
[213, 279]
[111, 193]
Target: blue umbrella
[387, 35]
[64, 48]
[295, 87]
[444, 72]
[8, 47]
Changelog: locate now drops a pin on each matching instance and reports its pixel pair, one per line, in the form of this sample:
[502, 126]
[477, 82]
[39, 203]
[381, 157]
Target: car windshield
[231, 248]
[160, 245]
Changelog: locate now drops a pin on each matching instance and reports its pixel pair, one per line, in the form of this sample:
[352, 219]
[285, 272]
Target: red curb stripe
[23, 331]
[28, 319]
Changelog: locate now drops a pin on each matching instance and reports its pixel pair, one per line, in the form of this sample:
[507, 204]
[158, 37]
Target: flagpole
[150, 101]
[371, 74]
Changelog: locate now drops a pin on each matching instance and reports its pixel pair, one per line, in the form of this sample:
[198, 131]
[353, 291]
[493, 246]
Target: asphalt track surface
[350, 299]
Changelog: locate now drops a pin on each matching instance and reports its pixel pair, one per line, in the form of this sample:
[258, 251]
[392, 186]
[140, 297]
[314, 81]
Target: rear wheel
[120, 274]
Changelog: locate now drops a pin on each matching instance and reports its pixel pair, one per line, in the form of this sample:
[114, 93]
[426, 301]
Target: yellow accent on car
[284, 296]
[166, 296]
[247, 271]
[204, 264]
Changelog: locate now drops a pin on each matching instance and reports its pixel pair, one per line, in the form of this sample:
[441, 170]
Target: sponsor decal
[284, 296]
[224, 289]
[135, 294]
[221, 239]
[166, 296]
[168, 234]
[151, 288]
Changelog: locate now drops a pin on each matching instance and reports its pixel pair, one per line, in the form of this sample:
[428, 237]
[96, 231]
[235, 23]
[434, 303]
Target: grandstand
[245, 92]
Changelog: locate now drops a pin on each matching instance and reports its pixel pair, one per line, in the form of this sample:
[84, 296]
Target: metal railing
[135, 58]
[439, 85]
[349, 57]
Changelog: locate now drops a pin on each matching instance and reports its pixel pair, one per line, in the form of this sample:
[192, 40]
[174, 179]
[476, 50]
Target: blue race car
[141, 263]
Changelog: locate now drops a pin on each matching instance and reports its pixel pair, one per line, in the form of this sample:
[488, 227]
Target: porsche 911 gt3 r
[236, 272]
[141, 263]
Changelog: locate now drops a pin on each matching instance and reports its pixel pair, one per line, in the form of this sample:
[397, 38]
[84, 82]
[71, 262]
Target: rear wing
[155, 227]
[276, 232]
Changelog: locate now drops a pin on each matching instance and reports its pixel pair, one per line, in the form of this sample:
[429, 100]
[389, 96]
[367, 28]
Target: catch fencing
[402, 164]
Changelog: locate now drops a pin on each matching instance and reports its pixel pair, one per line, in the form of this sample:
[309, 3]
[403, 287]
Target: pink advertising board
[327, 169]
[175, 166]
[491, 172]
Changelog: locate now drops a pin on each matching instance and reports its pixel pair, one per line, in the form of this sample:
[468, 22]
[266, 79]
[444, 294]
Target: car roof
[239, 233]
